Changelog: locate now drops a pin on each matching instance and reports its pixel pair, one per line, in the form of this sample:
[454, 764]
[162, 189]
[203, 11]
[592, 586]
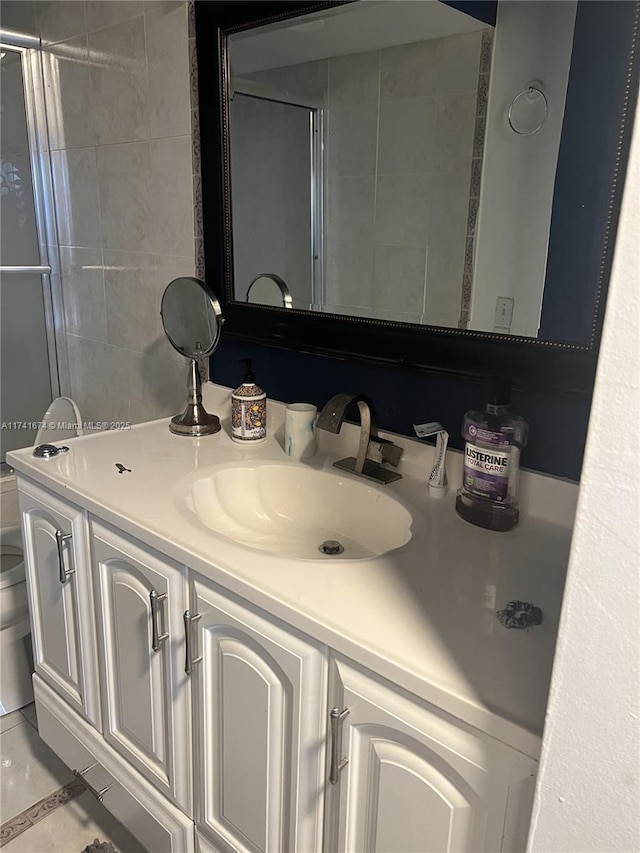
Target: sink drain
[331, 547]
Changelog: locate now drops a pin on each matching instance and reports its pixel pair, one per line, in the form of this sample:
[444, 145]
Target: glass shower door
[276, 193]
[25, 345]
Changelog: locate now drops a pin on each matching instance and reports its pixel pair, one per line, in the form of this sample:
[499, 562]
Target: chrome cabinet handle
[189, 619]
[61, 538]
[336, 765]
[98, 794]
[156, 638]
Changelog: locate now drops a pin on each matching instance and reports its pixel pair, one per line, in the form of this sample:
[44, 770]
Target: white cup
[300, 430]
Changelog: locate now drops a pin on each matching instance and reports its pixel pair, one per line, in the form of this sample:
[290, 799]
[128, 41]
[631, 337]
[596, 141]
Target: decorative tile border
[191, 18]
[485, 51]
[483, 94]
[195, 143]
[476, 176]
[10, 829]
[196, 160]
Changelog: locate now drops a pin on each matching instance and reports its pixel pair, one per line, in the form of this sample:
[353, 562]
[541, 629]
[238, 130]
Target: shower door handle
[43, 269]
[61, 538]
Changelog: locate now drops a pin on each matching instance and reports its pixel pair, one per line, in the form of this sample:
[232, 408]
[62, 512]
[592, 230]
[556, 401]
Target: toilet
[15, 652]
[61, 422]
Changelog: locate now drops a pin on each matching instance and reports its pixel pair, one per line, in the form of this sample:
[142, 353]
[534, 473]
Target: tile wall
[400, 136]
[400, 143]
[117, 87]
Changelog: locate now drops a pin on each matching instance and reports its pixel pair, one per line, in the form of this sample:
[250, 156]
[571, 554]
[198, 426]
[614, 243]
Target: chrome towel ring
[528, 111]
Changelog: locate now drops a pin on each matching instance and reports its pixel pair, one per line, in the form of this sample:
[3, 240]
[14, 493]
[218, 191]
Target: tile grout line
[10, 829]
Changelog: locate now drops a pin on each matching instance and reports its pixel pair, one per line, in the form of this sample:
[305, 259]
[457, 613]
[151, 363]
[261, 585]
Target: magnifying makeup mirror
[192, 321]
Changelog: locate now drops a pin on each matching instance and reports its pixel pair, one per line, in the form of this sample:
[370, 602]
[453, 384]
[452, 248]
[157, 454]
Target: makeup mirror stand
[195, 420]
[191, 312]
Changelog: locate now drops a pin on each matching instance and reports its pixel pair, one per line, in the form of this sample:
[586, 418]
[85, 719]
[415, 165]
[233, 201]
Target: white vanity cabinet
[83, 575]
[218, 732]
[58, 575]
[141, 599]
[259, 699]
[405, 777]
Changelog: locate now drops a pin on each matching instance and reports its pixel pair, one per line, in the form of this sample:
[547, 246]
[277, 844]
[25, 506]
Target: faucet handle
[383, 450]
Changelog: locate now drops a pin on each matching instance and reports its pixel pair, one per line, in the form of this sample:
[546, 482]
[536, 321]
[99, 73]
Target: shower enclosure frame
[29, 48]
[316, 110]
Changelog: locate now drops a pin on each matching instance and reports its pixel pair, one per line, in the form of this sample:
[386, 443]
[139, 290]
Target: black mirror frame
[533, 364]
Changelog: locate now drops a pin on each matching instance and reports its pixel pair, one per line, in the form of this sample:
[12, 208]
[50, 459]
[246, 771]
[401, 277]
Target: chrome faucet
[372, 450]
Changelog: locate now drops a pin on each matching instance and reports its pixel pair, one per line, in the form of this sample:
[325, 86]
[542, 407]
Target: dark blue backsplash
[557, 423]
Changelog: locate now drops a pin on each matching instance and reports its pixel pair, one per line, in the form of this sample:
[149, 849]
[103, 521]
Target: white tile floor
[29, 771]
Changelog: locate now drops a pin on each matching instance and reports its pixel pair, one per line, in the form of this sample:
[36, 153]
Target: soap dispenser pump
[248, 409]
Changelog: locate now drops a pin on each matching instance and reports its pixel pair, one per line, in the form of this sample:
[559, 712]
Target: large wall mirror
[416, 171]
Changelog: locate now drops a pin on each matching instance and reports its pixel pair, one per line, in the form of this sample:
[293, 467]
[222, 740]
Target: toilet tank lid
[61, 421]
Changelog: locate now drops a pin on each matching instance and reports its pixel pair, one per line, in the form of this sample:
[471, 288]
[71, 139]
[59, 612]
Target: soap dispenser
[248, 409]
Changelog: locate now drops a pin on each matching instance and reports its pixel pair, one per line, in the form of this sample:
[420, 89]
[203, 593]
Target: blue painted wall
[557, 423]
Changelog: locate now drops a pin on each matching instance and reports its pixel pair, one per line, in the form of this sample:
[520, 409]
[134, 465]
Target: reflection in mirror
[269, 289]
[528, 111]
[192, 321]
[396, 109]
[274, 189]
[191, 317]
[374, 167]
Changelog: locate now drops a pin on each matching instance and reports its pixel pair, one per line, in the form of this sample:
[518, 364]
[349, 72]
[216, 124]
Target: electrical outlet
[504, 310]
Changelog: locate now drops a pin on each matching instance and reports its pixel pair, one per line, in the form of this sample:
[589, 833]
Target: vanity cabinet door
[58, 577]
[415, 779]
[145, 691]
[259, 699]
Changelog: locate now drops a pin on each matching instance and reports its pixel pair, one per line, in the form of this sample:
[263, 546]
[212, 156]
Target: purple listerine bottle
[493, 441]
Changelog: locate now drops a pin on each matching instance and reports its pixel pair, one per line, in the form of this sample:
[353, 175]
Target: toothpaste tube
[438, 475]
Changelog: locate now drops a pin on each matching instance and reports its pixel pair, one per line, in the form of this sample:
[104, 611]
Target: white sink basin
[290, 509]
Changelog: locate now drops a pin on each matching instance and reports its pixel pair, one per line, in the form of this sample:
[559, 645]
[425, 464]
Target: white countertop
[422, 616]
